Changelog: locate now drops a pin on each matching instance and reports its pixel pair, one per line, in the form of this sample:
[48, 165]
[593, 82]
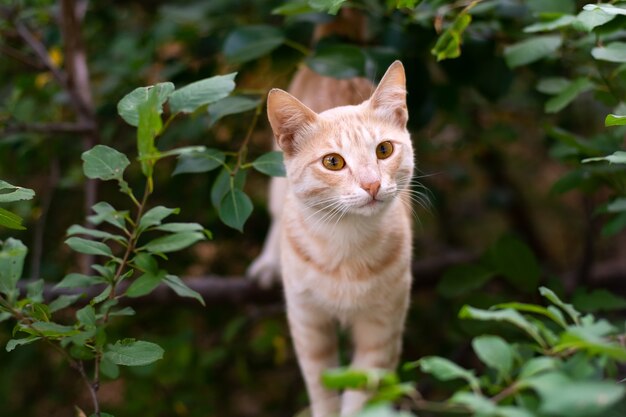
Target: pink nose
[372, 188]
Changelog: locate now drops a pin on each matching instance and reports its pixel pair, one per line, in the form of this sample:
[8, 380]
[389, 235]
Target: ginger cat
[341, 233]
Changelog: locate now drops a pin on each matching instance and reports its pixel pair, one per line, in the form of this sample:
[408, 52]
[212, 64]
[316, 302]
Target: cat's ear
[389, 99]
[288, 116]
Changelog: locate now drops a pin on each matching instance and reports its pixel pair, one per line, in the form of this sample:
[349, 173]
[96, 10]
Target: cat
[341, 236]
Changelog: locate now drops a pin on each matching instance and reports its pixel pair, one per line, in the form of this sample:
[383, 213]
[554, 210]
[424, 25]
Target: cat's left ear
[389, 99]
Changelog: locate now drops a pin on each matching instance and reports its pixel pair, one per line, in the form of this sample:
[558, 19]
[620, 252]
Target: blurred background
[506, 187]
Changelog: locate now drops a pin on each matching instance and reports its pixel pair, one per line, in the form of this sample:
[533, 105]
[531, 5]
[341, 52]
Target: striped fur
[341, 244]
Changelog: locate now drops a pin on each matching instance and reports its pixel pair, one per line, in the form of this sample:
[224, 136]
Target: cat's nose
[372, 188]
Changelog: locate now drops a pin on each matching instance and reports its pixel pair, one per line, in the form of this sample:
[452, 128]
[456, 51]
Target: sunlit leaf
[531, 50]
[89, 247]
[613, 52]
[10, 193]
[104, 163]
[271, 164]
[133, 353]
[128, 107]
[173, 242]
[189, 98]
[12, 255]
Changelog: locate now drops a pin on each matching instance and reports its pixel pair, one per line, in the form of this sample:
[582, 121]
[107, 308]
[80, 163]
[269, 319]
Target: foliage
[563, 367]
[512, 95]
[129, 254]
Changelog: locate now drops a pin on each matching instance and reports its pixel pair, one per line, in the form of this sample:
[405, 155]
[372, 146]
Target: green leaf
[516, 262]
[613, 52]
[10, 193]
[271, 164]
[531, 50]
[616, 206]
[189, 98]
[552, 85]
[554, 315]
[13, 343]
[329, 6]
[89, 247]
[180, 227]
[231, 105]
[554, 299]
[34, 291]
[145, 284]
[479, 404]
[618, 157]
[560, 396]
[173, 242]
[495, 352]
[462, 279]
[250, 42]
[506, 315]
[146, 263]
[338, 61]
[445, 370]
[182, 289]
[63, 301]
[54, 330]
[606, 8]
[149, 127]
[346, 378]
[591, 19]
[12, 255]
[568, 95]
[104, 163]
[77, 229]
[75, 280]
[538, 365]
[87, 315]
[10, 220]
[221, 185]
[449, 43]
[128, 107]
[235, 209]
[106, 213]
[133, 353]
[195, 162]
[553, 24]
[154, 216]
[598, 300]
[109, 369]
[615, 120]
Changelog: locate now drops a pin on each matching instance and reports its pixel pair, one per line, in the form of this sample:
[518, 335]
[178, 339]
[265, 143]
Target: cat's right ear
[288, 116]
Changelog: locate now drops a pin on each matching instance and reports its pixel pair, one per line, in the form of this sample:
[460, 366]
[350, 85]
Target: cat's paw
[265, 271]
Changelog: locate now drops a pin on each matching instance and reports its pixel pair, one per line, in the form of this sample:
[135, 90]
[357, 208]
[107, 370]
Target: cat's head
[350, 158]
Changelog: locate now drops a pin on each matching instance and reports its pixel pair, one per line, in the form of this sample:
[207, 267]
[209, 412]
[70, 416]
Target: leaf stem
[297, 46]
[244, 145]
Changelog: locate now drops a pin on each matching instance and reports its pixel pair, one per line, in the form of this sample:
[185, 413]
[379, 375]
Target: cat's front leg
[377, 339]
[314, 336]
[266, 267]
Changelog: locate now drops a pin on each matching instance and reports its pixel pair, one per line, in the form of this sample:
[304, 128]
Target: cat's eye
[333, 161]
[384, 150]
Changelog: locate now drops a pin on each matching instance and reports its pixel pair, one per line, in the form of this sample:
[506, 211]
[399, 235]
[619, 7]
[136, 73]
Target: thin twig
[243, 149]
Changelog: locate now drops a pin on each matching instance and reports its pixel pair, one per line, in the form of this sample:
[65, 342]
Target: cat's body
[342, 228]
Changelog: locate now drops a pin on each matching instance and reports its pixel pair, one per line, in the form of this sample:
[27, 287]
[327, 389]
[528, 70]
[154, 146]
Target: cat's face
[350, 159]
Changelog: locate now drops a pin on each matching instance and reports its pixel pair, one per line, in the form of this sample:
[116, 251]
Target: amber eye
[384, 150]
[333, 161]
